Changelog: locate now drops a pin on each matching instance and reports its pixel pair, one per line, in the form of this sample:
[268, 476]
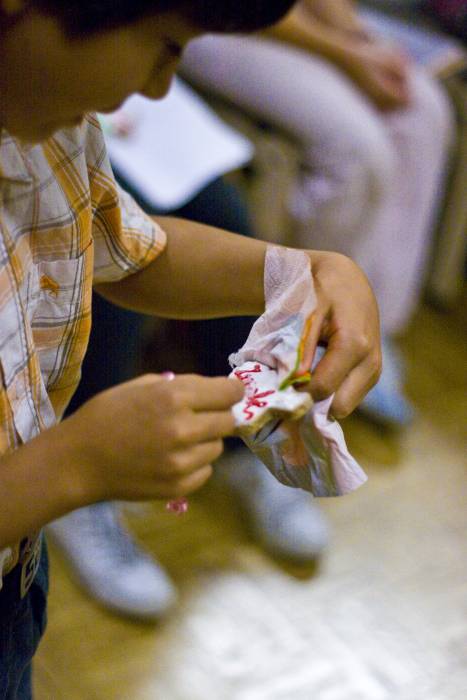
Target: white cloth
[308, 453]
[290, 304]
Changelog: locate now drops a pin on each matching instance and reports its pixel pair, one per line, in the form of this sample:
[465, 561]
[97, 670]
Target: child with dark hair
[65, 226]
[83, 17]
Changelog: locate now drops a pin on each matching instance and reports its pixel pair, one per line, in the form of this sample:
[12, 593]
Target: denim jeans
[22, 624]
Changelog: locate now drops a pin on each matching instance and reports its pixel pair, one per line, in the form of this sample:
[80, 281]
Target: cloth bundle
[297, 440]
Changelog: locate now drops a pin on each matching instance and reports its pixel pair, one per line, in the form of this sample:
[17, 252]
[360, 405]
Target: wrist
[42, 483]
[340, 49]
[329, 268]
[82, 484]
[347, 55]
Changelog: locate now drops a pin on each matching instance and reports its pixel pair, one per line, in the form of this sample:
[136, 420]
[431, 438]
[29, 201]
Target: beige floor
[384, 618]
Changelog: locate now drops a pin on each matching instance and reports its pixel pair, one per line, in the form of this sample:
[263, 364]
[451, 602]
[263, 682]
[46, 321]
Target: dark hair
[88, 16]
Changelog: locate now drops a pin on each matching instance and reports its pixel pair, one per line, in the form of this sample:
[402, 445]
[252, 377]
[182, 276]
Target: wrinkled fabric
[275, 338]
[309, 452]
[264, 400]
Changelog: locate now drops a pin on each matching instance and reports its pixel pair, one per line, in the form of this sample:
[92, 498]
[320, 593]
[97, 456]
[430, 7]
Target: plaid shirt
[64, 225]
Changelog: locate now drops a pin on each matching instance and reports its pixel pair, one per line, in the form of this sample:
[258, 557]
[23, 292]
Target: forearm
[340, 14]
[37, 486]
[204, 272]
[302, 30]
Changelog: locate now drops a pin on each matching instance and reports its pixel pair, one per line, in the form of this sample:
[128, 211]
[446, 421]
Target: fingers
[220, 393]
[350, 331]
[204, 427]
[340, 358]
[349, 368]
[207, 393]
[187, 461]
[203, 408]
[353, 390]
[188, 484]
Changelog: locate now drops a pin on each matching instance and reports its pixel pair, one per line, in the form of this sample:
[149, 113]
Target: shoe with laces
[108, 564]
[286, 522]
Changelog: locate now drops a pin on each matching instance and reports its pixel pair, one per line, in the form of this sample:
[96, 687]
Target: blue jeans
[22, 624]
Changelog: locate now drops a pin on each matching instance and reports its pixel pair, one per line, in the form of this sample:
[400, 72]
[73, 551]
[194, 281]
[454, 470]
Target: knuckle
[363, 344]
[185, 485]
[344, 403]
[322, 388]
[179, 431]
[217, 449]
[342, 409]
[178, 464]
[174, 399]
[201, 476]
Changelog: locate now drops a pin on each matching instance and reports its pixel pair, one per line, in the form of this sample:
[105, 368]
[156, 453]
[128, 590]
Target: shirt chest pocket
[60, 315]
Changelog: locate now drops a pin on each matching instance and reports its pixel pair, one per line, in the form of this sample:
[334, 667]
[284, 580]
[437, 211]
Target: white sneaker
[109, 565]
[286, 522]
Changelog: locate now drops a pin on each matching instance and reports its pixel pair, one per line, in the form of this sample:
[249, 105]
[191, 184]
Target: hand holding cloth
[298, 441]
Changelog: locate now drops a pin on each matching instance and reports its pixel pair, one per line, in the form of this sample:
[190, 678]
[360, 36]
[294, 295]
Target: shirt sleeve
[125, 238]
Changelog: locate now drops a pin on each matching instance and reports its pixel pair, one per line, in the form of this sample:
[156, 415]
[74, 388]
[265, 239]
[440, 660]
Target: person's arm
[36, 485]
[144, 439]
[303, 29]
[378, 69]
[151, 438]
[205, 272]
[340, 14]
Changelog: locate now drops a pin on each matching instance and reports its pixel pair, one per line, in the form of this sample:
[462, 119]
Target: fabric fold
[297, 440]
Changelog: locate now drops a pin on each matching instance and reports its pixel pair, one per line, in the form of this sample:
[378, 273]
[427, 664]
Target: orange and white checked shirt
[64, 225]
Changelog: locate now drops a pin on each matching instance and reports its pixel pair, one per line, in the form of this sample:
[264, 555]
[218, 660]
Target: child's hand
[150, 438]
[348, 324]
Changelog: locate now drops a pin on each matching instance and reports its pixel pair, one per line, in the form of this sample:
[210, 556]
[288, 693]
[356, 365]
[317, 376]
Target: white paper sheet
[175, 147]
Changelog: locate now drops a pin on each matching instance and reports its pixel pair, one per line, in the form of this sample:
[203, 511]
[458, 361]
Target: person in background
[100, 551]
[374, 132]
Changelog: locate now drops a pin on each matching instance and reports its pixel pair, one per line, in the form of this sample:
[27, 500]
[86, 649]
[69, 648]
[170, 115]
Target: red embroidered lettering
[242, 374]
[254, 401]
